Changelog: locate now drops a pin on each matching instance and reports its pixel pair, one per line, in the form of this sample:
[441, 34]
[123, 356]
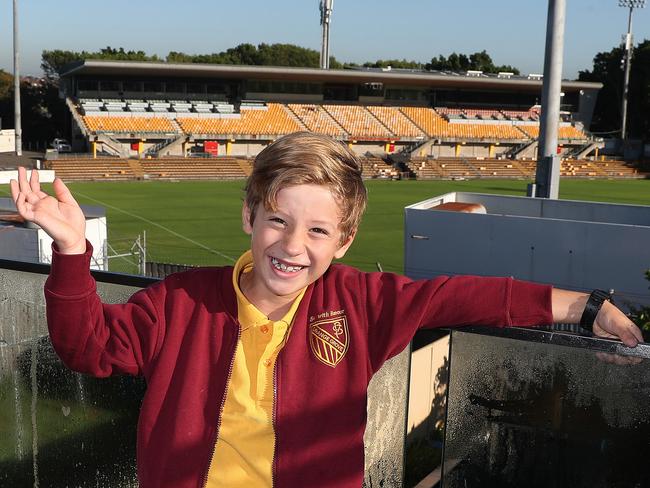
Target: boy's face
[294, 245]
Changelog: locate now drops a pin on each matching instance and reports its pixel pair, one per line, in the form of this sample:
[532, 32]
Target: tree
[607, 69]
[395, 63]
[261, 55]
[6, 99]
[54, 62]
[479, 61]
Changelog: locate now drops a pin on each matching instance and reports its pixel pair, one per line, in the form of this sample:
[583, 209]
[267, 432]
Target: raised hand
[60, 216]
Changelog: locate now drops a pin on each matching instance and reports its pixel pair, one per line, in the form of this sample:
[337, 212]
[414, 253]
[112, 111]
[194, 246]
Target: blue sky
[511, 31]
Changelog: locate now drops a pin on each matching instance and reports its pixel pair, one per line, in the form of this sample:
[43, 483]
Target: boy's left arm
[568, 307]
[397, 307]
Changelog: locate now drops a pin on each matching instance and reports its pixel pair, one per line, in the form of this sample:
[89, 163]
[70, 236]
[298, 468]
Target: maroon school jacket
[181, 333]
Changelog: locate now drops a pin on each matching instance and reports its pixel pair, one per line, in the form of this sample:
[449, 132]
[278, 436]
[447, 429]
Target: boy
[257, 374]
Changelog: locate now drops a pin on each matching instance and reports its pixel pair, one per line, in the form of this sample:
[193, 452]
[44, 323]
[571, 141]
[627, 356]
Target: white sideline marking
[166, 229]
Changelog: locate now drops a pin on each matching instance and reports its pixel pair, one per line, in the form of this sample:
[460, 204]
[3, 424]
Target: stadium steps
[374, 166]
[246, 166]
[426, 169]
[597, 169]
[317, 120]
[582, 151]
[497, 168]
[434, 164]
[219, 168]
[381, 122]
[295, 117]
[522, 169]
[137, 168]
[436, 168]
[358, 122]
[170, 147]
[458, 168]
[620, 169]
[525, 149]
[476, 170]
[100, 169]
[396, 122]
[76, 116]
[581, 169]
[112, 146]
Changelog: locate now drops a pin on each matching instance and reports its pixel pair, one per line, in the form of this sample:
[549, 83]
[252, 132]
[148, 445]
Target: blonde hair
[305, 158]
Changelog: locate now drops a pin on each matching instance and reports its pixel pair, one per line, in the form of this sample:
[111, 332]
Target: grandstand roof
[363, 75]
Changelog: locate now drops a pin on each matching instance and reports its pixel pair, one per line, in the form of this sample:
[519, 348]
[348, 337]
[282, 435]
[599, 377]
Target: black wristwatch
[594, 303]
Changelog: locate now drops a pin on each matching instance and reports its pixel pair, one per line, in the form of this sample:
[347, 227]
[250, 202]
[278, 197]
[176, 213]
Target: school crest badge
[329, 339]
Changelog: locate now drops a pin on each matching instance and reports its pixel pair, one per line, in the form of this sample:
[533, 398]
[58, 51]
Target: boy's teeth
[284, 267]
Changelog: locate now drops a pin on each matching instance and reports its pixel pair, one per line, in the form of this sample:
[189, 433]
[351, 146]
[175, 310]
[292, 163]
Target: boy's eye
[319, 230]
[277, 220]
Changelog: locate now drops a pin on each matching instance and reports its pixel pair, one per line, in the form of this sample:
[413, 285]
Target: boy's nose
[293, 243]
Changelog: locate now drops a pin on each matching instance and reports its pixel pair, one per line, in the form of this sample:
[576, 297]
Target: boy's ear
[247, 225]
[345, 246]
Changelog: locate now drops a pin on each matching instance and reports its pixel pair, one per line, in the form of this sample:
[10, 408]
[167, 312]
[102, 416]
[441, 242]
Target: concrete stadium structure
[146, 109]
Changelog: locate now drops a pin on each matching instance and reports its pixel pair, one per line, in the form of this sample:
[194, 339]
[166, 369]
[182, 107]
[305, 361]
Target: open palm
[60, 215]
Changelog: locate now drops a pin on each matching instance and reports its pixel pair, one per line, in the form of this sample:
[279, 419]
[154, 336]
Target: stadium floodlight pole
[547, 176]
[627, 59]
[326, 7]
[17, 124]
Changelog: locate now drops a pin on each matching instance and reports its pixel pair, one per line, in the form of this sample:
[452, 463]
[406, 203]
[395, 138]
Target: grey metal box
[571, 244]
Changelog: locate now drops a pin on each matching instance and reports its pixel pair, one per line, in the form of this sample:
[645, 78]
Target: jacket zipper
[223, 403]
[273, 419]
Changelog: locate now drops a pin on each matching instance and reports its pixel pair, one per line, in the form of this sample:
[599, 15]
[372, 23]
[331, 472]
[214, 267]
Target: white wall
[95, 233]
[7, 140]
[44, 176]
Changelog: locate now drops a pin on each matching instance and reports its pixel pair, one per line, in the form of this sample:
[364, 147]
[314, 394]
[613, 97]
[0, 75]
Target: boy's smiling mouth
[280, 266]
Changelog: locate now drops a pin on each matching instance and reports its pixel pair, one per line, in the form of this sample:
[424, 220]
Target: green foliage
[53, 63]
[40, 106]
[641, 316]
[42, 112]
[6, 85]
[480, 61]
[261, 55]
[395, 63]
[607, 69]
[6, 99]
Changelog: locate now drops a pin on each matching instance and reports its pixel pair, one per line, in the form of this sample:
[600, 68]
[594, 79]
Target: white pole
[547, 177]
[17, 120]
[144, 252]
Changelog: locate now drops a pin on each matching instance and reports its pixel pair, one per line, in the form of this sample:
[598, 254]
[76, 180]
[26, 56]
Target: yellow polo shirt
[243, 456]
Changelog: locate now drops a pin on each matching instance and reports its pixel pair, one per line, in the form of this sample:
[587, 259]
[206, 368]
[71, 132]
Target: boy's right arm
[97, 338]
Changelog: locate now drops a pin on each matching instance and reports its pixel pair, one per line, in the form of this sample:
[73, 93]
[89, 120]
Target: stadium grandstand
[488, 124]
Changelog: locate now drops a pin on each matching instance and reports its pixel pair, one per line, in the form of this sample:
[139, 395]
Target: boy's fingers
[34, 182]
[22, 180]
[629, 333]
[21, 206]
[15, 190]
[62, 192]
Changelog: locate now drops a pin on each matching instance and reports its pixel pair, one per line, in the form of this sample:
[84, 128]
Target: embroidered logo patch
[329, 339]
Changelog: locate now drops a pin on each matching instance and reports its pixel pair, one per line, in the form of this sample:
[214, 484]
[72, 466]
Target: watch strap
[592, 307]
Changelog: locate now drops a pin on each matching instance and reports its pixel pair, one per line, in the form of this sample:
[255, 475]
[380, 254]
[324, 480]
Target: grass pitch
[199, 222]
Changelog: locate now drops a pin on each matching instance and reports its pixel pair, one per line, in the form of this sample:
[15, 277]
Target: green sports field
[199, 222]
